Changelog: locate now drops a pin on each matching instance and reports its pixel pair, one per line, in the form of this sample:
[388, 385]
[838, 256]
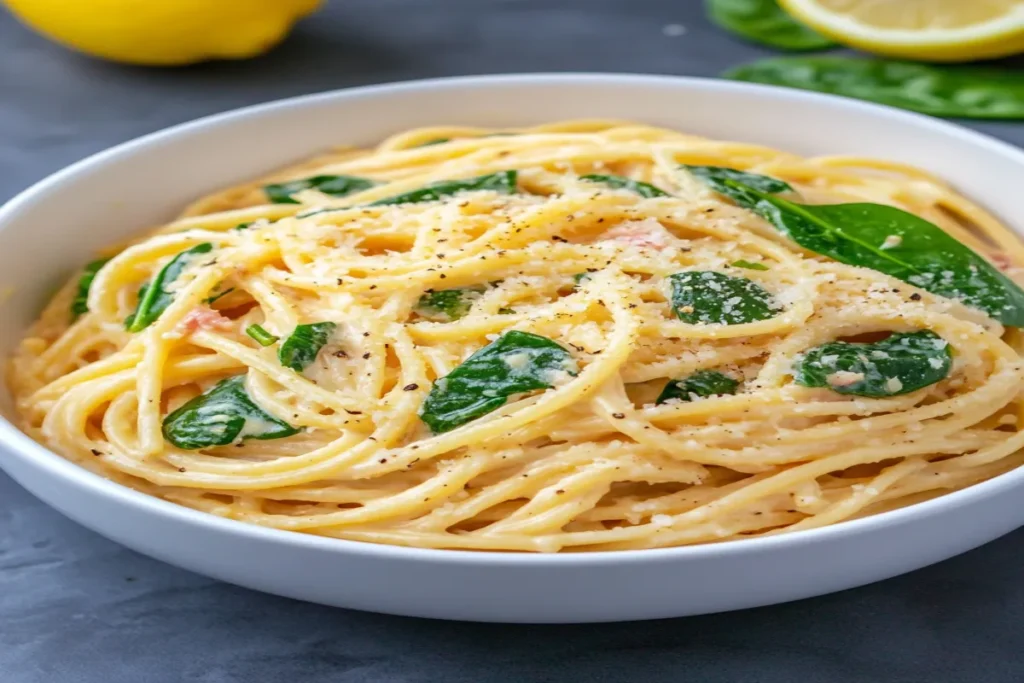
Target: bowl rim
[21, 445]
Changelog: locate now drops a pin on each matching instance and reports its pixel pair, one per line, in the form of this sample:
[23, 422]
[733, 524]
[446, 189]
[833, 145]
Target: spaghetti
[547, 339]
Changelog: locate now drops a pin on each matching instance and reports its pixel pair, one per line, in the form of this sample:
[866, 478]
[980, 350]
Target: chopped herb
[262, 337]
[749, 265]
[579, 278]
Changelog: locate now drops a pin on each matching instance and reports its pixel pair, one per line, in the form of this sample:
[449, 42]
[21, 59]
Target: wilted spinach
[702, 383]
[879, 237]
[899, 364]
[80, 304]
[502, 182]
[514, 363]
[300, 349]
[221, 416]
[154, 298]
[707, 296]
[333, 185]
[622, 183]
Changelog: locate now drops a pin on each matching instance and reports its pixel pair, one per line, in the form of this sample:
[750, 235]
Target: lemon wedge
[164, 32]
[928, 30]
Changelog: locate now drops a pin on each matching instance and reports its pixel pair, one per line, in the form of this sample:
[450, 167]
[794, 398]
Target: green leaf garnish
[702, 383]
[707, 296]
[221, 416]
[447, 304]
[333, 185]
[749, 265]
[300, 349]
[80, 304]
[882, 238]
[506, 311]
[154, 298]
[764, 22]
[622, 183]
[260, 334]
[899, 364]
[939, 90]
[502, 182]
[731, 183]
[435, 141]
[514, 363]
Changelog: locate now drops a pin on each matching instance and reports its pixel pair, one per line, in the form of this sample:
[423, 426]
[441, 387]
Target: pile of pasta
[326, 321]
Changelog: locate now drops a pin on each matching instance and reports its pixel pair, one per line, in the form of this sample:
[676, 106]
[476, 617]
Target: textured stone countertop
[76, 608]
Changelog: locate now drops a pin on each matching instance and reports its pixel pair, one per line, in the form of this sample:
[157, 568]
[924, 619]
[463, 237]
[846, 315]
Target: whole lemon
[164, 32]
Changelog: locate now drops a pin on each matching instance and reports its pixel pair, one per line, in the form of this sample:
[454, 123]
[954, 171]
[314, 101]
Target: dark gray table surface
[75, 607]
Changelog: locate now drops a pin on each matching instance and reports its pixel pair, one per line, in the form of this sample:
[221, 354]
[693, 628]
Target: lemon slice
[930, 30]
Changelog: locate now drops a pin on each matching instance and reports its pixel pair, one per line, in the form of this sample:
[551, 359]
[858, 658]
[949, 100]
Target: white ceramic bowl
[51, 229]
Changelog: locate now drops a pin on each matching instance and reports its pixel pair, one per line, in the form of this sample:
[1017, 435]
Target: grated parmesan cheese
[893, 384]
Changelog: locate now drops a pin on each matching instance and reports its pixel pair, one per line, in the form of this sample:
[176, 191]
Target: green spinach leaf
[154, 298]
[300, 349]
[707, 296]
[949, 91]
[899, 364]
[80, 304]
[622, 183]
[221, 416]
[260, 334]
[749, 265]
[732, 183]
[764, 22]
[502, 182]
[514, 363]
[447, 304]
[702, 383]
[333, 185]
[888, 240]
